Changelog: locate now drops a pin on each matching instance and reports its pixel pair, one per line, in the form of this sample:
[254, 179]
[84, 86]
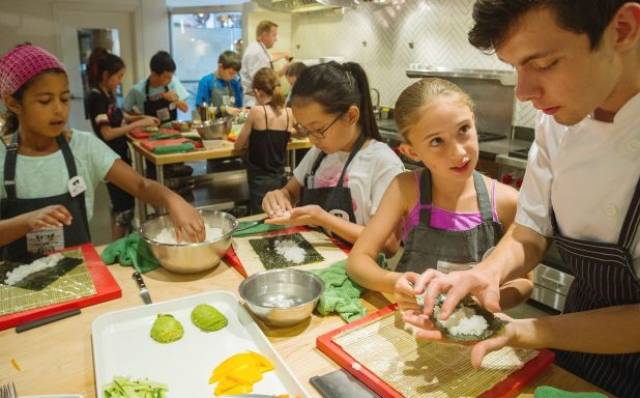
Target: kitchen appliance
[552, 278]
[492, 92]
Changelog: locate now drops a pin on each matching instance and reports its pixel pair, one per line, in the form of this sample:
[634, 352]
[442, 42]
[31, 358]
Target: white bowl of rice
[189, 257]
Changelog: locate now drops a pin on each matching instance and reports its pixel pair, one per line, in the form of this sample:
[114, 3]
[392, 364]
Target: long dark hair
[337, 87]
[101, 61]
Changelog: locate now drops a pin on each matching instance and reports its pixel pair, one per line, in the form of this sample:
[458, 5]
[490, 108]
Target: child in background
[294, 71]
[452, 214]
[105, 72]
[222, 85]
[48, 174]
[266, 134]
[340, 181]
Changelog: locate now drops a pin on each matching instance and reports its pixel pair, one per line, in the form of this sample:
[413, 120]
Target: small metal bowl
[282, 297]
[186, 258]
[216, 129]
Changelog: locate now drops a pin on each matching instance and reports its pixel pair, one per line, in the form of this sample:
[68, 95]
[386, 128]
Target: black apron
[447, 251]
[604, 277]
[159, 107]
[75, 234]
[335, 200]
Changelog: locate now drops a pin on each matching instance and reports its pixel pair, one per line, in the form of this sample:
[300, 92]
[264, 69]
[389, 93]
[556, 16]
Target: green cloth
[552, 392]
[165, 149]
[341, 294]
[131, 250]
[257, 229]
[164, 136]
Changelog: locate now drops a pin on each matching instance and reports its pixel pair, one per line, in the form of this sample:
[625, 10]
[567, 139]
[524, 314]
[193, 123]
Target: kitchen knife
[144, 292]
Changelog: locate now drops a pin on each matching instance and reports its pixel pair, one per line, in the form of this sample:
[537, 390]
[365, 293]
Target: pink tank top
[444, 219]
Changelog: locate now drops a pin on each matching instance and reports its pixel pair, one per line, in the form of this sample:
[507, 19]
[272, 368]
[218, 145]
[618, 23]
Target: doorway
[80, 33]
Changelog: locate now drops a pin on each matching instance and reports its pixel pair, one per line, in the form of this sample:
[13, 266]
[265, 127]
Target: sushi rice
[16, 275]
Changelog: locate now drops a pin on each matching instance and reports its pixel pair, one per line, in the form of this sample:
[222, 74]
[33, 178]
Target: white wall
[34, 21]
[386, 39]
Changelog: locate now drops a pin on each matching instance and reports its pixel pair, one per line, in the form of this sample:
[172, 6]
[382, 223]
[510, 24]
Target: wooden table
[222, 149]
[57, 358]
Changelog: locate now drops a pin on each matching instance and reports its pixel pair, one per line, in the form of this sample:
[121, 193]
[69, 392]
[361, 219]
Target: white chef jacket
[255, 58]
[588, 172]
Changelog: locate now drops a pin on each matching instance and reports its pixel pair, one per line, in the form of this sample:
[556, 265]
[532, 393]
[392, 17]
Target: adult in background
[294, 71]
[257, 56]
[222, 87]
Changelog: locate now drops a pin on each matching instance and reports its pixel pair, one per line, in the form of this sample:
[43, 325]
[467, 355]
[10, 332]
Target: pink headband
[22, 64]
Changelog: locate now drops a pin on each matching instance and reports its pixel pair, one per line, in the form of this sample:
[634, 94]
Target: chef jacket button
[611, 210]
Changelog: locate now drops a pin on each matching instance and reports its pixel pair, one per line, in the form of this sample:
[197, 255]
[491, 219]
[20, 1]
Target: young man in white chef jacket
[256, 56]
[578, 63]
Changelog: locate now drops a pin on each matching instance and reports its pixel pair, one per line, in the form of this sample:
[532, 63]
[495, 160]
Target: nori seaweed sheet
[265, 248]
[41, 279]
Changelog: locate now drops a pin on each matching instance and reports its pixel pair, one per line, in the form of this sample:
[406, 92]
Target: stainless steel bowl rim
[234, 226]
[257, 275]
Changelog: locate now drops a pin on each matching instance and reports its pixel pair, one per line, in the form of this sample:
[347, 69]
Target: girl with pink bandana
[48, 173]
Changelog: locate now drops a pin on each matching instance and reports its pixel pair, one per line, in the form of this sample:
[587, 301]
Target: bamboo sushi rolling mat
[75, 284]
[319, 241]
[417, 368]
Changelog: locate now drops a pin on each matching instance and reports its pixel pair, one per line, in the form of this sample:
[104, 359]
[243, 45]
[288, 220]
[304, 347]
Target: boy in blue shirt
[222, 87]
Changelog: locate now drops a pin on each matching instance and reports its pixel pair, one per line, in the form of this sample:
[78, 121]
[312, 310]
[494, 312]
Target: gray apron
[427, 247]
[75, 234]
[334, 200]
[218, 94]
[604, 277]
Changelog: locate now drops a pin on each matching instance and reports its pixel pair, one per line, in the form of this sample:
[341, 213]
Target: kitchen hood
[297, 6]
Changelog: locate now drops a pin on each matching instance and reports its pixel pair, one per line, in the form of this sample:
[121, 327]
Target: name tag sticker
[163, 114]
[76, 186]
[45, 241]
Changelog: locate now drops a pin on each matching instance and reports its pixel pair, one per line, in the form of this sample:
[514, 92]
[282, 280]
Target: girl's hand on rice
[188, 223]
[423, 326]
[304, 215]
[48, 217]
[404, 294]
[506, 337]
[276, 204]
[484, 287]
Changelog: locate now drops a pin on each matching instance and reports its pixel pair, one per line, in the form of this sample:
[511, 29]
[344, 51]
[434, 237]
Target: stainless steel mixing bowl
[282, 297]
[187, 258]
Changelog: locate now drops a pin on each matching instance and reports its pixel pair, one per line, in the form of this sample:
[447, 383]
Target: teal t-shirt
[134, 101]
[43, 176]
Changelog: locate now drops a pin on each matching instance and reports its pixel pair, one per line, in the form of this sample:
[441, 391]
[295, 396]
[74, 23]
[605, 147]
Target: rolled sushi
[469, 321]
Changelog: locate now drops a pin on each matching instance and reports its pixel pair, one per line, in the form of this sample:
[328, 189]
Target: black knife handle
[138, 278]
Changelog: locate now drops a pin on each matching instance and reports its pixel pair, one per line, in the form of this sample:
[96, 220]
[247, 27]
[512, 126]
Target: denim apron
[159, 107]
[428, 247]
[604, 277]
[335, 200]
[75, 234]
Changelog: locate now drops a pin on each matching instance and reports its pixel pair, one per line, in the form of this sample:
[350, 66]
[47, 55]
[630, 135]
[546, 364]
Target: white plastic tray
[122, 346]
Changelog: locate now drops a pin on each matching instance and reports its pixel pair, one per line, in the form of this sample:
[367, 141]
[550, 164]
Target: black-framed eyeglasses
[317, 133]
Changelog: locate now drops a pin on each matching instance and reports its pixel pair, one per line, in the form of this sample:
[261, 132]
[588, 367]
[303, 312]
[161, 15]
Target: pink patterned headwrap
[22, 64]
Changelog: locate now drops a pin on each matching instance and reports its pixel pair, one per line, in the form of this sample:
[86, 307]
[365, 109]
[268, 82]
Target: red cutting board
[232, 259]
[152, 144]
[106, 289]
[507, 388]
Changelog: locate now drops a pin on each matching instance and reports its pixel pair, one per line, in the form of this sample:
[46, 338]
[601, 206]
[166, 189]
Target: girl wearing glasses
[340, 181]
[266, 134]
[452, 214]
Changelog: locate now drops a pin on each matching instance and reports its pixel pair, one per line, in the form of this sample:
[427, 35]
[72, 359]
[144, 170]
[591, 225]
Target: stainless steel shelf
[505, 77]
